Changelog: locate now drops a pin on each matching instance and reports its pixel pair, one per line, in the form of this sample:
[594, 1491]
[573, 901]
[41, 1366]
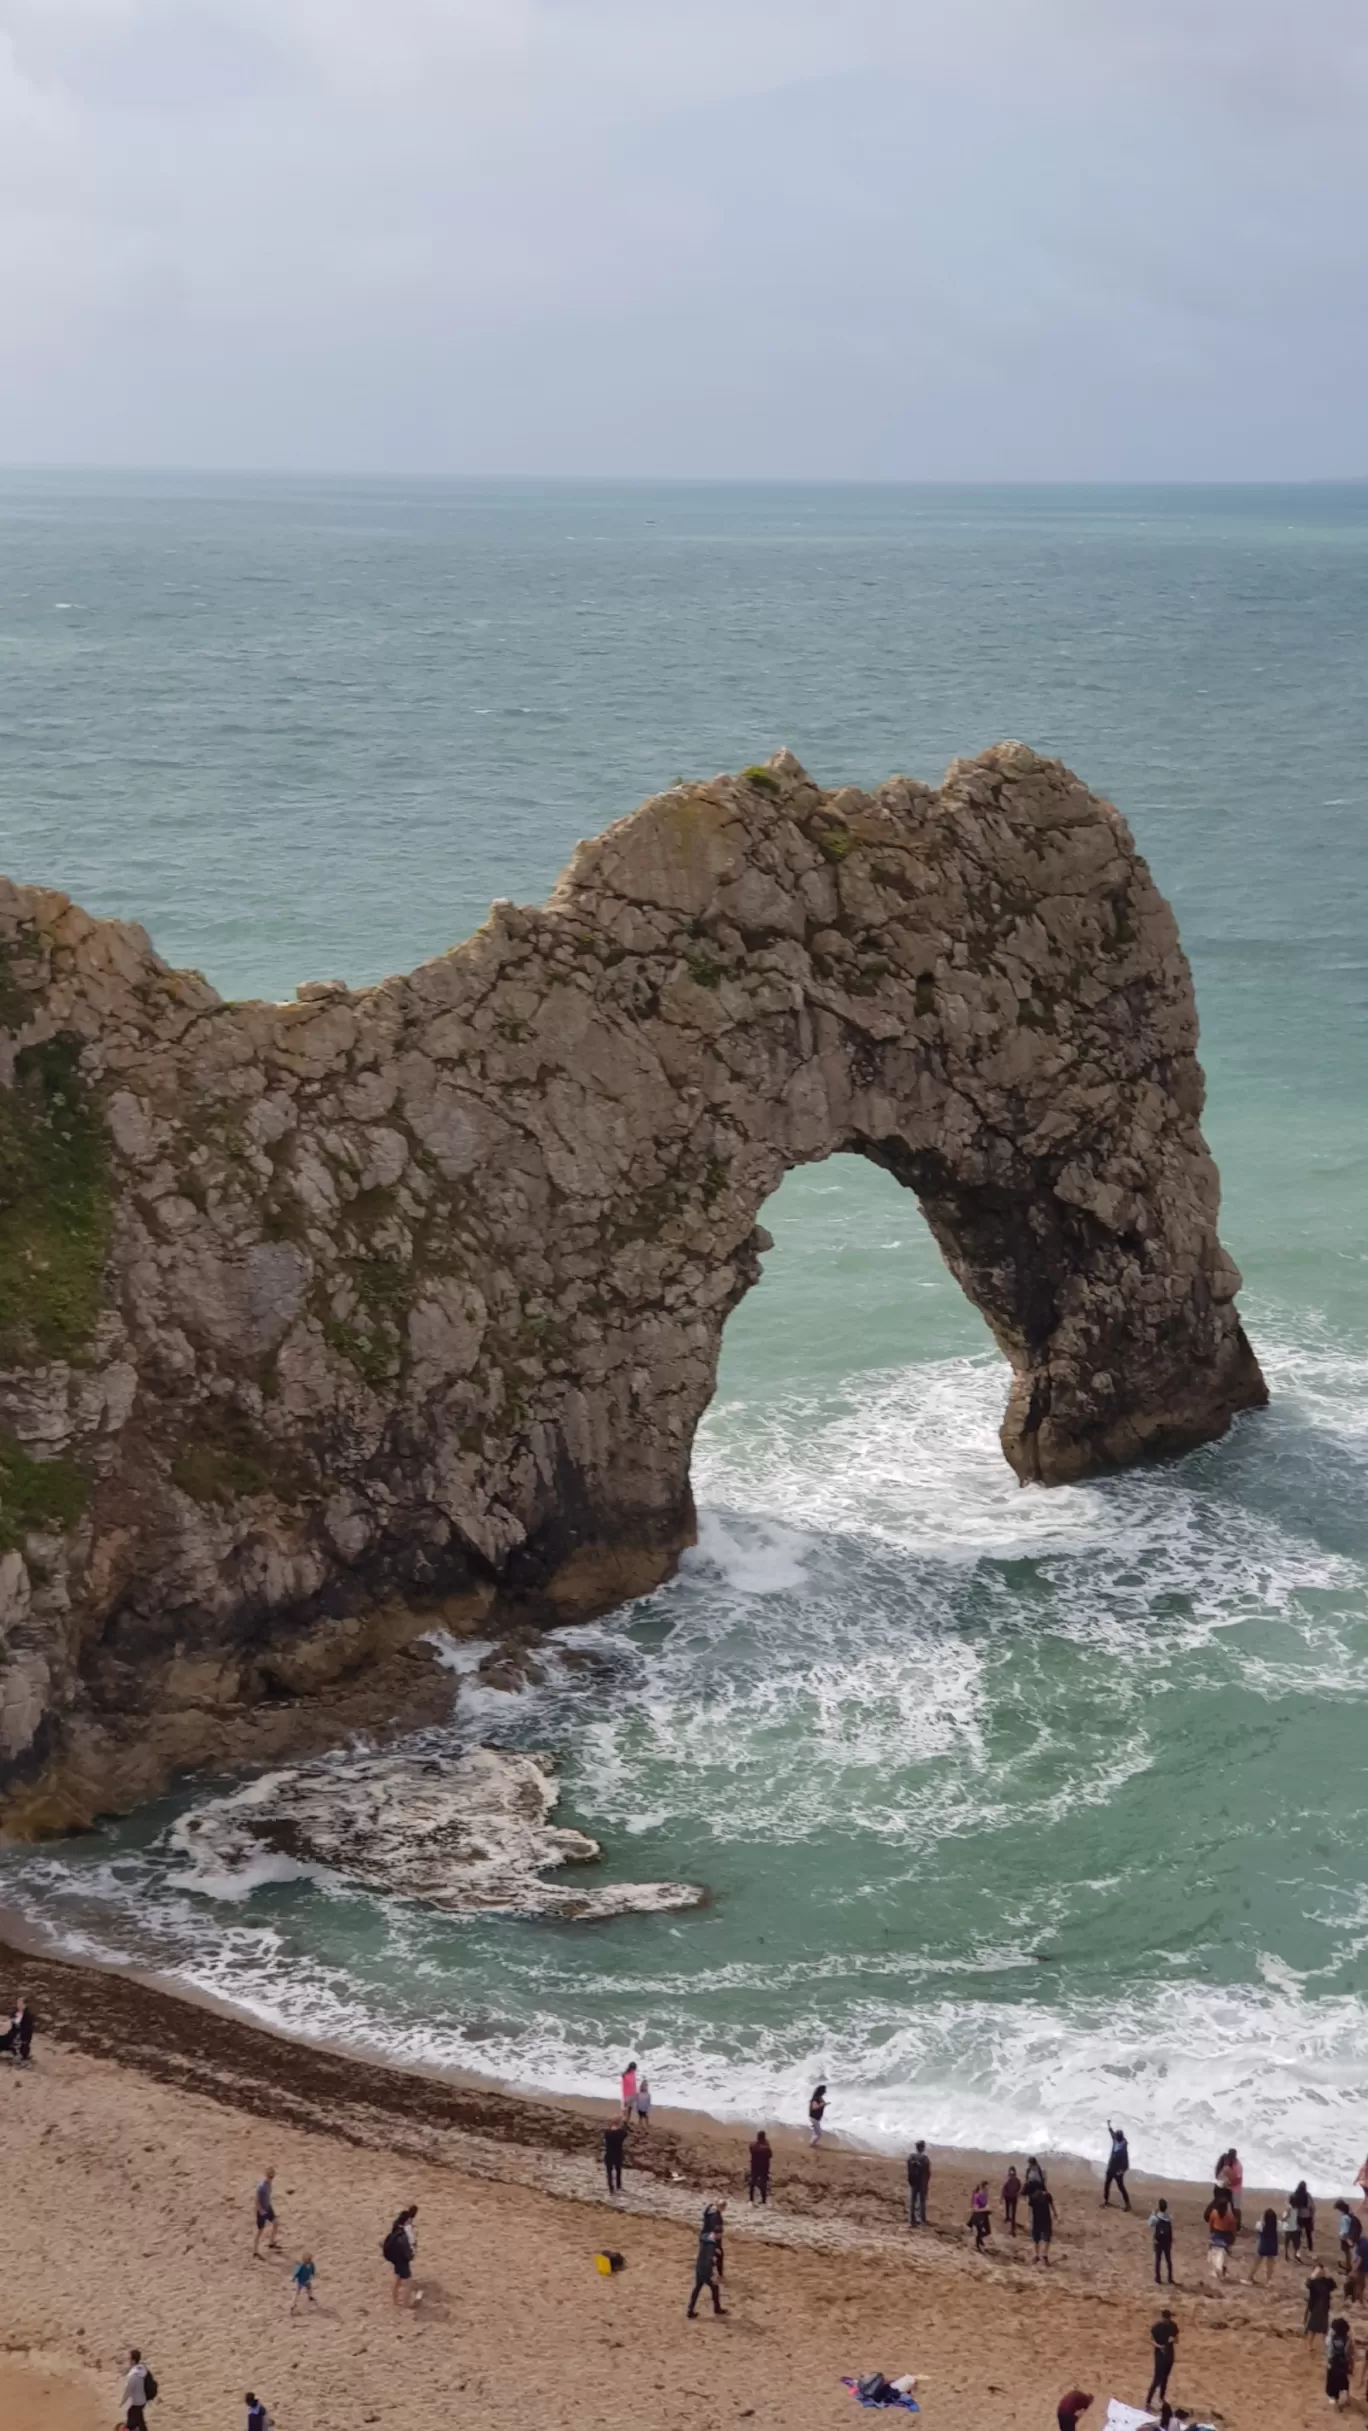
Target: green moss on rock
[37, 1494]
[56, 1207]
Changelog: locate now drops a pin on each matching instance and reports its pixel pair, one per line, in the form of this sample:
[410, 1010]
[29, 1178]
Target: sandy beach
[134, 2142]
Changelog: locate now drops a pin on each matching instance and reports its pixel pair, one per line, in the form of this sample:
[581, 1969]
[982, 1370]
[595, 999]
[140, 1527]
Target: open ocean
[1016, 1808]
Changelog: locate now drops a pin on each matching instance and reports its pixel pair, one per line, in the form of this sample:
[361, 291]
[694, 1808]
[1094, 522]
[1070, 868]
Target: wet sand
[134, 2142]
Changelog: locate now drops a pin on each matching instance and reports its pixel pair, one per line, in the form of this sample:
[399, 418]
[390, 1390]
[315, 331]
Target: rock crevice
[319, 1318]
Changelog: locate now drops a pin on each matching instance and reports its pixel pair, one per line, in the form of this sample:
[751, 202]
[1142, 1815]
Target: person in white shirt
[135, 2392]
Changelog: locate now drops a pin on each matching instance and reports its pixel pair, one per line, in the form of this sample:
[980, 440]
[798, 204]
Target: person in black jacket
[761, 2155]
[614, 2146]
[1164, 2340]
[1118, 2162]
[707, 2266]
[918, 2181]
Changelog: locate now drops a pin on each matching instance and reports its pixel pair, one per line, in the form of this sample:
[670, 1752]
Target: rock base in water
[468, 1833]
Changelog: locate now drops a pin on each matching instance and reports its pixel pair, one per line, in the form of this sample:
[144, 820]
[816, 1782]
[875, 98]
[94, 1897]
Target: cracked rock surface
[319, 1319]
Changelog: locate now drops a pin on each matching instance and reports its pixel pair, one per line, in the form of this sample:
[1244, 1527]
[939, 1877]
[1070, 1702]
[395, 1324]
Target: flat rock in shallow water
[469, 1833]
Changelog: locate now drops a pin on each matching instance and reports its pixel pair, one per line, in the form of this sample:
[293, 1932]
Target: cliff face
[318, 1319]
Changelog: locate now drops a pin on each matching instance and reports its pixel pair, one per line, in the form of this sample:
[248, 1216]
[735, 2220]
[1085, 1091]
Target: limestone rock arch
[318, 1318]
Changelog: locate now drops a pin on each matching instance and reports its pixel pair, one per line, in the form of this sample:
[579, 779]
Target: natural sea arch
[316, 1318]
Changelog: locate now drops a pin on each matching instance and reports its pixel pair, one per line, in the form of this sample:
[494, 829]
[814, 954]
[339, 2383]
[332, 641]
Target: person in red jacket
[1073, 2405]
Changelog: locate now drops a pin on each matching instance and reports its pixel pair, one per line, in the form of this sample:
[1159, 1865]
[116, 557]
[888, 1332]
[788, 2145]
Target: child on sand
[304, 2274]
[643, 2101]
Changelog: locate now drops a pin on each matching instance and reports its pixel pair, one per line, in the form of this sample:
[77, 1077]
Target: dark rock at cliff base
[323, 1321]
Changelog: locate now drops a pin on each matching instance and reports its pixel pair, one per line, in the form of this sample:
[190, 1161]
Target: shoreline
[137, 2135]
[514, 2113]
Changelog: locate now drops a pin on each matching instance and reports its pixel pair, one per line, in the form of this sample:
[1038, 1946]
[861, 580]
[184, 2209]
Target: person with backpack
[1118, 2162]
[1164, 2340]
[918, 2183]
[1339, 2361]
[399, 2249]
[139, 2389]
[761, 2155]
[1161, 2230]
[257, 2417]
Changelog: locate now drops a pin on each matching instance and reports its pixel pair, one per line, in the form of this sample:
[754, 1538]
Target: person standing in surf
[1118, 2162]
[816, 2113]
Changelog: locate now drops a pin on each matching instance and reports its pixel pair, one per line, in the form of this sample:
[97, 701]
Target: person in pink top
[629, 2089]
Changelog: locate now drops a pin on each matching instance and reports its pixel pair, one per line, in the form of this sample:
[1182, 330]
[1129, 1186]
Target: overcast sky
[926, 239]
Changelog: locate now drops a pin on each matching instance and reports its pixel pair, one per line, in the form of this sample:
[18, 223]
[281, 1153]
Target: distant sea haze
[1016, 1809]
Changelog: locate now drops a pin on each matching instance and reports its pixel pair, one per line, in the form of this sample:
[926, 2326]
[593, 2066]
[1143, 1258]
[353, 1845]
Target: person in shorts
[265, 2214]
[1043, 2217]
[304, 2274]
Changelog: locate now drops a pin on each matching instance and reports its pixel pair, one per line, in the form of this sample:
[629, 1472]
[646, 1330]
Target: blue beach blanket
[881, 2405]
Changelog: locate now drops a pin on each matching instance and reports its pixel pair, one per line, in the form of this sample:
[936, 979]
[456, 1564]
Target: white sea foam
[895, 1705]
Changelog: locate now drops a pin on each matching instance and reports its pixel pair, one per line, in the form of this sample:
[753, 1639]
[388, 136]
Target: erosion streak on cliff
[316, 1317]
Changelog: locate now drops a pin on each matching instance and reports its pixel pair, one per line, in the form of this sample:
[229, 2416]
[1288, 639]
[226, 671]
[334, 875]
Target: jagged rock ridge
[317, 1317]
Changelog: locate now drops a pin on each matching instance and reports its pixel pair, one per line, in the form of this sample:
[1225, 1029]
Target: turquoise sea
[1016, 1808]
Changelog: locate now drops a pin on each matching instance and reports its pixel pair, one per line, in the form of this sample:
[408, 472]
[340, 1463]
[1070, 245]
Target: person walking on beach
[1118, 2162]
[1266, 2250]
[1305, 2210]
[1164, 2340]
[265, 2214]
[706, 2274]
[614, 2146]
[714, 2224]
[761, 2155]
[918, 2183]
[1011, 2196]
[1339, 2361]
[980, 2217]
[257, 2417]
[816, 2113]
[1073, 2405]
[1320, 2295]
[399, 2249]
[629, 2089]
[137, 2390]
[1161, 2230]
[1043, 2217]
[643, 2101]
[1222, 2225]
[304, 2274]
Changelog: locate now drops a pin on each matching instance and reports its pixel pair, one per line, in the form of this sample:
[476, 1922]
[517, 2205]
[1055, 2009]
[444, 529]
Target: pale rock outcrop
[316, 1318]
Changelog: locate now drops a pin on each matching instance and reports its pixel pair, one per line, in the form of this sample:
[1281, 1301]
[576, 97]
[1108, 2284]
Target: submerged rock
[322, 1321]
[470, 1833]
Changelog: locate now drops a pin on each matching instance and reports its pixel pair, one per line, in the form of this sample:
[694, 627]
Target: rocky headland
[323, 1321]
